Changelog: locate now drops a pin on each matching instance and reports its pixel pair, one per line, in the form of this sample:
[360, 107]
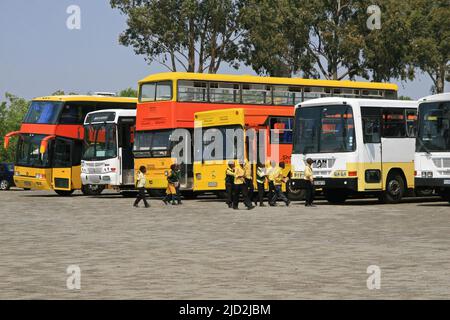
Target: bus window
[223, 92]
[192, 91]
[282, 96]
[371, 121]
[44, 112]
[411, 123]
[281, 130]
[316, 92]
[156, 91]
[75, 113]
[256, 94]
[62, 154]
[394, 124]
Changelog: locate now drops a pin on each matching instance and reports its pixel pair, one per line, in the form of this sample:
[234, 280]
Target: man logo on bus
[320, 163]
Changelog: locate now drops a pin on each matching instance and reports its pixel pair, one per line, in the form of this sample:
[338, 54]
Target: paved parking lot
[203, 250]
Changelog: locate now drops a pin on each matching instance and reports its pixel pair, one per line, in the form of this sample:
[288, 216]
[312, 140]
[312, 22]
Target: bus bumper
[104, 179]
[33, 178]
[328, 183]
[432, 182]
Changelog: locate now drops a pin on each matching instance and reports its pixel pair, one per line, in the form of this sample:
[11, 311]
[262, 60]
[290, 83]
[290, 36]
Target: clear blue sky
[39, 54]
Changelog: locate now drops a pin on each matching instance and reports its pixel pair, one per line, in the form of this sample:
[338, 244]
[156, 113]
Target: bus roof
[365, 102]
[118, 113]
[267, 80]
[437, 97]
[86, 98]
[250, 116]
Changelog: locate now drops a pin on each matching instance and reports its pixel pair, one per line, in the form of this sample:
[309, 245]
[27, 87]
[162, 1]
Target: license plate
[447, 182]
[212, 184]
[27, 183]
[319, 183]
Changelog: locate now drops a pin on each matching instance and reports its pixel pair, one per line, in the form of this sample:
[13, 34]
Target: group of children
[173, 186]
[239, 181]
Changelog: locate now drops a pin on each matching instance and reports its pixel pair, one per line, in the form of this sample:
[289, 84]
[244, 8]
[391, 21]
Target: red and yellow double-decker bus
[168, 101]
[50, 141]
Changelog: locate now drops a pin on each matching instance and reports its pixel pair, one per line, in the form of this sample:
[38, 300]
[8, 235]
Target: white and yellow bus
[357, 145]
[433, 146]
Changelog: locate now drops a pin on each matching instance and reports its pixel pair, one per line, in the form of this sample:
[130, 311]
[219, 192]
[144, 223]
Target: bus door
[372, 149]
[126, 141]
[62, 164]
[186, 163]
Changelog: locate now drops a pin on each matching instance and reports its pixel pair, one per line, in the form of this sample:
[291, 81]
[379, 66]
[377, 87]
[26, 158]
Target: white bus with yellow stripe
[357, 145]
[433, 145]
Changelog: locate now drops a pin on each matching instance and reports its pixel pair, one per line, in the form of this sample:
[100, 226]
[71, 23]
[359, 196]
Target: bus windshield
[434, 127]
[43, 112]
[28, 152]
[324, 129]
[153, 144]
[100, 142]
[221, 143]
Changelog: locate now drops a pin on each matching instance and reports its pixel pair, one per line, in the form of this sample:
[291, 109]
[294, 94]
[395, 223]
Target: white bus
[433, 145]
[108, 149]
[357, 145]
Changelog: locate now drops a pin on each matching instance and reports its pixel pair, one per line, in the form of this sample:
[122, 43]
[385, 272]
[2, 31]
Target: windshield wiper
[423, 146]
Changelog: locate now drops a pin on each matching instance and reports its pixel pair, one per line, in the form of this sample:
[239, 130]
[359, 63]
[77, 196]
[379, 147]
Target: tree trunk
[440, 79]
[191, 46]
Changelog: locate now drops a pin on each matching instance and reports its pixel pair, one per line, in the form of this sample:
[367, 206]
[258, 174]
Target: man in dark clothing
[229, 183]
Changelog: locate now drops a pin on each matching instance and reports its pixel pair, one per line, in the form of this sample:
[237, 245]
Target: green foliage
[430, 22]
[128, 92]
[12, 112]
[196, 35]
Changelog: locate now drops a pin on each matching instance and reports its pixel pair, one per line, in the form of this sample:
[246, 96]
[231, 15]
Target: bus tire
[336, 196]
[92, 189]
[5, 185]
[395, 189]
[295, 194]
[64, 193]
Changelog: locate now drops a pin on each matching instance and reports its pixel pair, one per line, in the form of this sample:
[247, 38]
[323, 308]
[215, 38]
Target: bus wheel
[395, 189]
[189, 195]
[64, 193]
[5, 185]
[92, 189]
[336, 196]
[295, 194]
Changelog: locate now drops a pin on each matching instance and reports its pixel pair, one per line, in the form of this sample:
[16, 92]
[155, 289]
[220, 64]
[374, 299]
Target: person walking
[270, 178]
[172, 181]
[240, 187]
[248, 179]
[309, 183]
[229, 184]
[278, 179]
[141, 181]
[177, 184]
[261, 177]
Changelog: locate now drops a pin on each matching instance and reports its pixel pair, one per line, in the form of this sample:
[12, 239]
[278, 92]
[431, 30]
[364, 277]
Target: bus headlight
[430, 174]
[198, 176]
[16, 173]
[40, 176]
